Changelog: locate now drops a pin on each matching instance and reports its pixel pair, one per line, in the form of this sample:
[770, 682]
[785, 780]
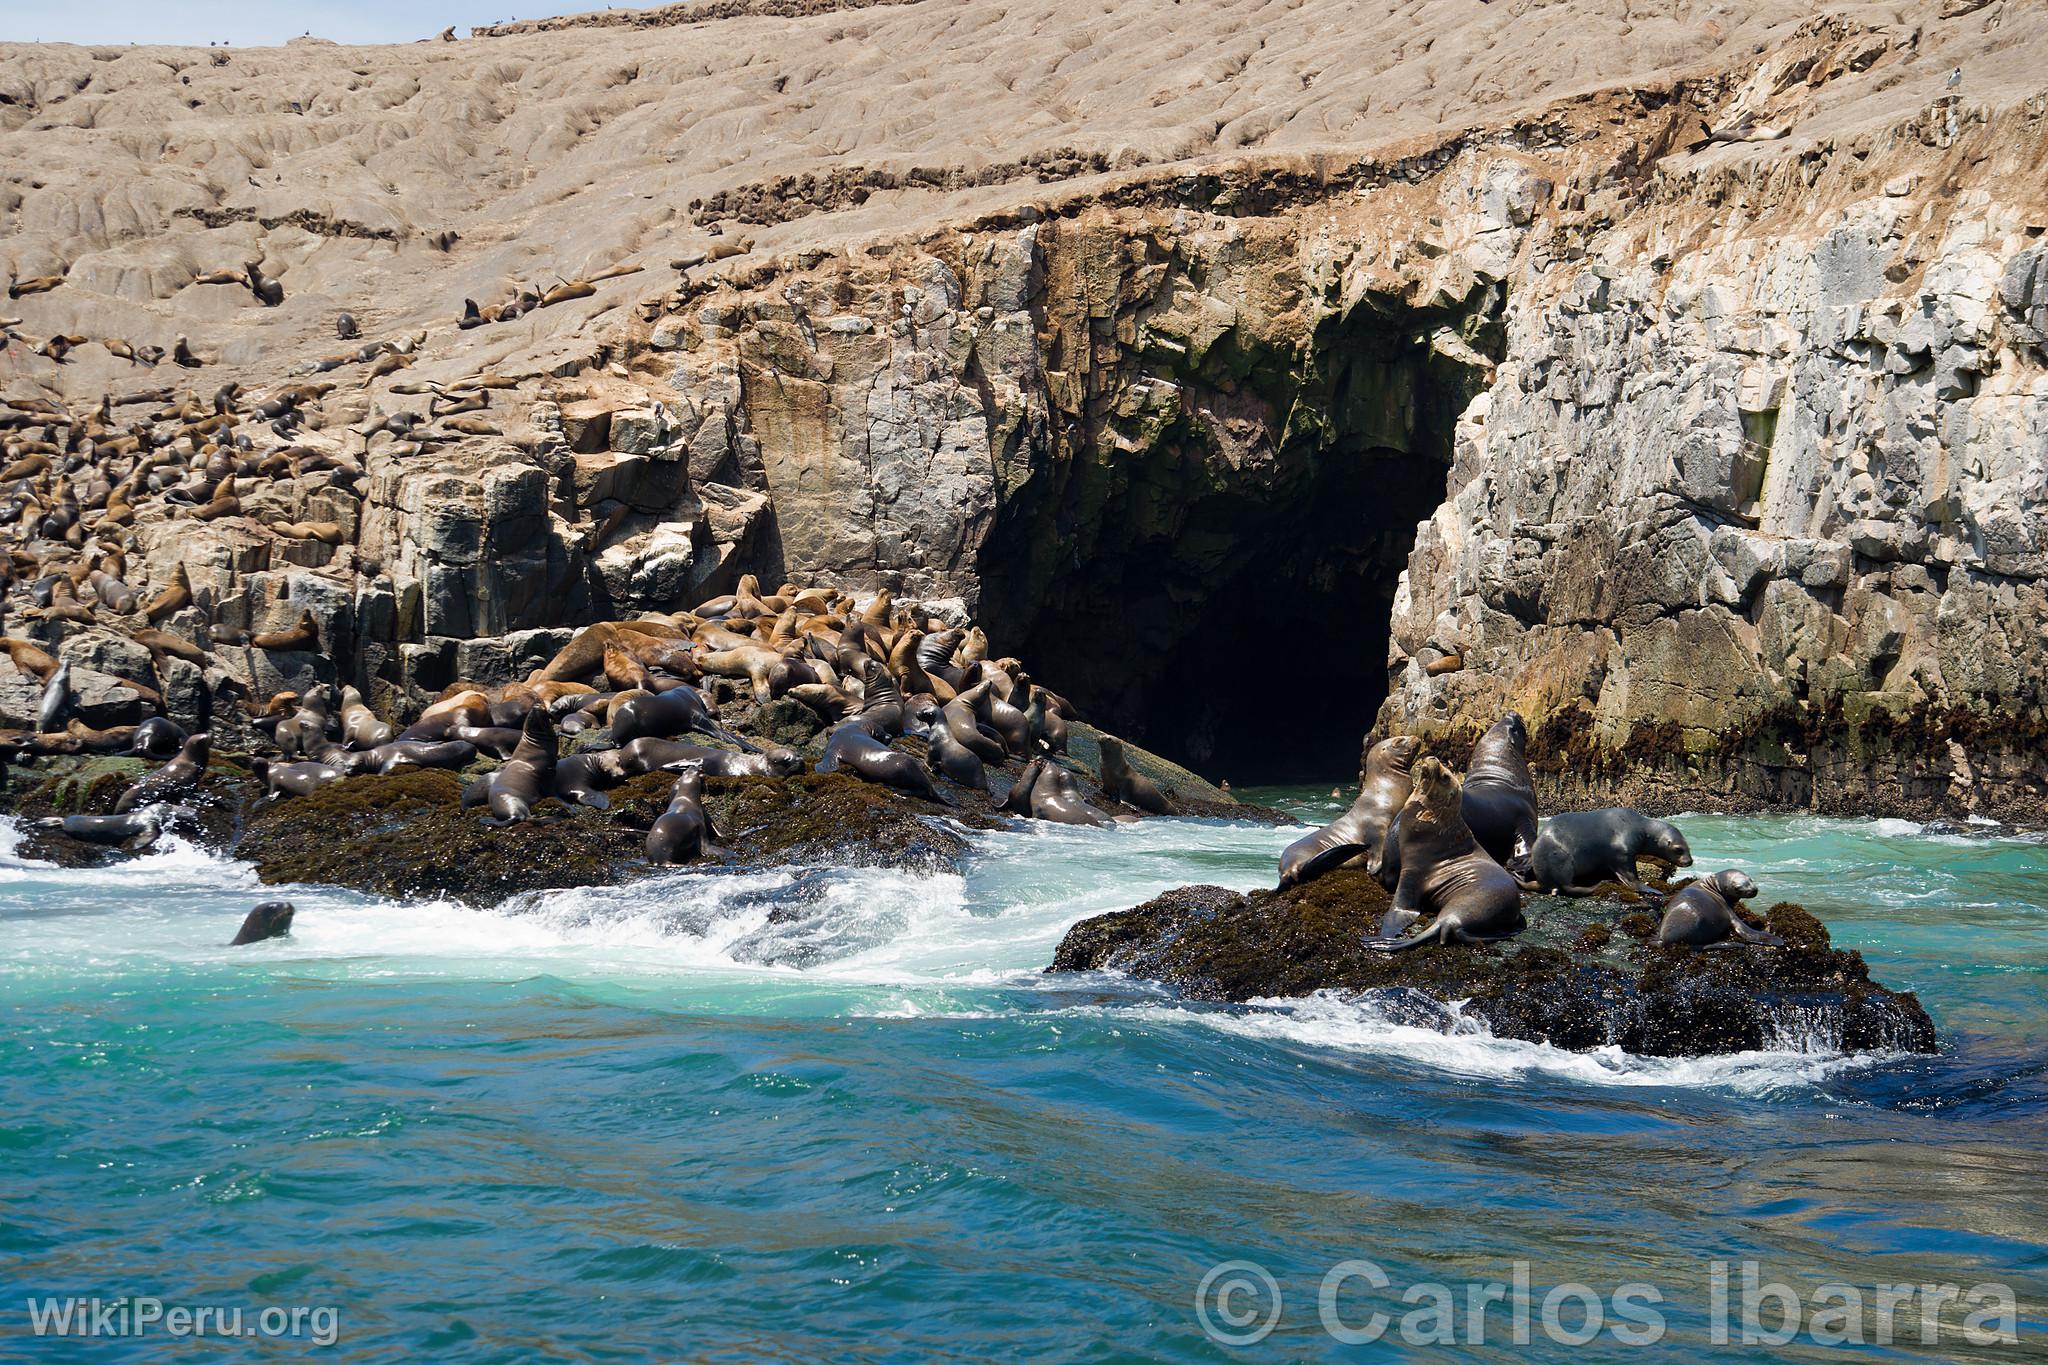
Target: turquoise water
[844, 1116]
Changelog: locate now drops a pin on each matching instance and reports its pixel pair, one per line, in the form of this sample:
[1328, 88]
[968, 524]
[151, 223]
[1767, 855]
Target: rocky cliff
[1694, 405]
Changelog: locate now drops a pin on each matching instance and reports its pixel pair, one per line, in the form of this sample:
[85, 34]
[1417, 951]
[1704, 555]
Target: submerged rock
[1582, 976]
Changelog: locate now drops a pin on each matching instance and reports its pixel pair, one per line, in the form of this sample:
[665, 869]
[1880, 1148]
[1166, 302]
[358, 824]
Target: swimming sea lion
[1703, 914]
[678, 833]
[1500, 799]
[1122, 782]
[1361, 831]
[1444, 870]
[527, 776]
[179, 774]
[1578, 850]
[272, 919]
[1055, 797]
[855, 747]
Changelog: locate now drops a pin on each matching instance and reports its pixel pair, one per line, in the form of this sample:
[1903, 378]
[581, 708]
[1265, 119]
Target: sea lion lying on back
[1361, 831]
[1445, 872]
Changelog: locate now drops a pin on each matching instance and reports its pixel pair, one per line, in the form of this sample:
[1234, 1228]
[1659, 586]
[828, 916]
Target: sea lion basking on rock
[1705, 914]
[1579, 850]
[1500, 798]
[1361, 831]
[1445, 872]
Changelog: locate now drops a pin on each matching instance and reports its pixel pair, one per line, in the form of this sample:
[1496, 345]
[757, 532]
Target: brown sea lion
[1706, 914]
[1122, 782]
[1444, 871]
[1361, 831]
[360, 727]
[175, 597]
[304, 635]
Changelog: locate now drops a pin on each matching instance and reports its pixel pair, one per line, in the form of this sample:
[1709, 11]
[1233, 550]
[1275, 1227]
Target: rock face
[1726, 454]
[1582, 976]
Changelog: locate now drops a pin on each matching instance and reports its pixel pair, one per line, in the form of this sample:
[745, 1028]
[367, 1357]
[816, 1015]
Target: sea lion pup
[1445, 871]
[650, 754]
[1500, 800]
[134, 831]
[1122, 782]
[1578, 850]
[56, 700]
[292, 779]
[1360, 832]
[951, 759]
[360, 728]
[272, 919]
[1054, 796]
[304, 635]
[180, 774]
[158, 737]
[527, 776]
[679, 833]
[1705, 914]
[345, 327]
[852, 745]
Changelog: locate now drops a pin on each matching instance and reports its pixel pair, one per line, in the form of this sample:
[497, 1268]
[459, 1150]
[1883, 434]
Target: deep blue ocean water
[656, 1123]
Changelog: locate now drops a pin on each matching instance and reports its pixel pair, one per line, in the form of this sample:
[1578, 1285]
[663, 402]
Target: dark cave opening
[1221, 593]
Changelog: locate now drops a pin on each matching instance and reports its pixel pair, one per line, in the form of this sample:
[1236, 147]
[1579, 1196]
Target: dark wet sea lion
[422, 753]
[856, 748]
[158, 737]
[581, 779]
[293, 779]
[1018, 802]
[1048, 727]
[527, 777]
[679, 833]
[953, 760]
[1703, 914]
[1122, 782]
[1500, 799]
[360, 727]
[962, 724]
[1444, 871]
[498, 741]
[1578, 850]
[56, 700]
[306, 727]
[272, 919]
[1055, 797]
[664, 715]
[137, 830]
[180, 773]
[1361, 831]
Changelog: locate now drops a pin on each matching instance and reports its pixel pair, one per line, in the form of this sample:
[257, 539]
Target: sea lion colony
[1462, 853]
[629, 694]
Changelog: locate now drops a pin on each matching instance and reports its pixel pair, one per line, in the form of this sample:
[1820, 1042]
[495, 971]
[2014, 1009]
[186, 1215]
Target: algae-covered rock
[1570, 980]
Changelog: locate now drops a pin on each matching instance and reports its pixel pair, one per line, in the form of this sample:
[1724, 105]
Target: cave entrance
[1221, 594]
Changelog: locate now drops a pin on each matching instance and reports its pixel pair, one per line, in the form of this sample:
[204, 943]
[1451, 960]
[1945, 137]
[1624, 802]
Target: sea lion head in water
[272, 919]
[1704, 914]
[1361, 831]
[1445, 871]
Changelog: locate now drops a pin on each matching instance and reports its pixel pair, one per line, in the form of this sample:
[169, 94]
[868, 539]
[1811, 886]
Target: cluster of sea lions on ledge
[636, 691]
[1465, 852]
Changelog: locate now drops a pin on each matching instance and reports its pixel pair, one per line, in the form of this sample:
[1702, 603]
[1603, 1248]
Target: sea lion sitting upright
[360, 727]
[1445, 871]
[272, 919]
[951, 759]
[56, 700]
[527, 776]
[1500, 799]
[157, 737]
[1018, 802]
[1361, 831]
[1578, 850]
[1122, 782]
[1055, 797]
[679, 833]
[179, 774]
[1703, 914]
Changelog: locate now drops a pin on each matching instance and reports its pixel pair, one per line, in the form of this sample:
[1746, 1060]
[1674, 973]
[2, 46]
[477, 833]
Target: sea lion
[1048, 726]
[677, 710]
[158, 737]
[299, 732]
[304, 635]
[649, 754]
[1055, 797]
[421, 753]
[1361, 831]
[360, 728]
[272, 919]
[1578, 850]
[56, 700]
[1444, 870]
[1703, 914]
[1018, 801]
[854, 746]
[293, 779]
[953, 760]
[963, 725]
[527, 776]
[345, 327]
[679, 833]
[580, 779]
[134, 831]
[179, 774]
[1122, 782]
[1500, 800]
[176, 596]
